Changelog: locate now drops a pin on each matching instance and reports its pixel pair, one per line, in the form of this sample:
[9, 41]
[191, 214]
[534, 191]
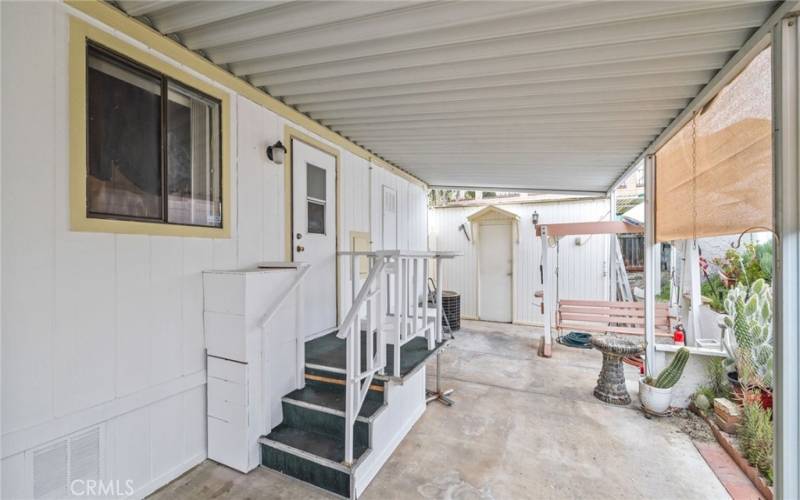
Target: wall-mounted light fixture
[535, 218]
[276, 152]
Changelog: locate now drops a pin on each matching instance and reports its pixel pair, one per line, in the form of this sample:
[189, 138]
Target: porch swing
[616, 317]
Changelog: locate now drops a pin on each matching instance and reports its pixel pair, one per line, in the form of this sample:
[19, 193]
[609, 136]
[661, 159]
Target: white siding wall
[412, 222]
[583, 267]
[104, 329]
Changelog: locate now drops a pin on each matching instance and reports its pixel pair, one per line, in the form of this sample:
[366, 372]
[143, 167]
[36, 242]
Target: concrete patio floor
[522, 427]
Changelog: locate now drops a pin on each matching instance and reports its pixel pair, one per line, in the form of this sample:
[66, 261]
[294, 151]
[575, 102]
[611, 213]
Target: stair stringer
[405, 405]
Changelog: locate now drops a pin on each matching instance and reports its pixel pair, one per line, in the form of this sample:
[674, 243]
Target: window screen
[124, 130]
[193, 185]
[153, 146]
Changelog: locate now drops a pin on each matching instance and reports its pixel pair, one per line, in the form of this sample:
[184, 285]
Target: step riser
[321, 372]
[311, 472]
[302, 417]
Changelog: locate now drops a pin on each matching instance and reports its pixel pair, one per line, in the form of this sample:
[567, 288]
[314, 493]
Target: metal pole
[612, 249]
[649, 264]
[786, 192]
[439, 395]
[547, 296]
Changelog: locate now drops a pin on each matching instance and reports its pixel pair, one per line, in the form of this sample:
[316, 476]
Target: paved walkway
[522, 427]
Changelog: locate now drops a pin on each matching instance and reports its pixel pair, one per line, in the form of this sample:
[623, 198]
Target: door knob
[301, 248]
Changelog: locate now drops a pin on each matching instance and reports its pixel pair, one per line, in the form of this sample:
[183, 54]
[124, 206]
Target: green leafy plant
[714, 290]
[730, 266]
[756, 438]
[663, 294]
[717, 374]
[748, 266]
[671, 374]
[751, 264]
[748, 332]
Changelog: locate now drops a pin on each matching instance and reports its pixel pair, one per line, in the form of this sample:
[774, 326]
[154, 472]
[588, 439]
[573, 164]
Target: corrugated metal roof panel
[551, 95]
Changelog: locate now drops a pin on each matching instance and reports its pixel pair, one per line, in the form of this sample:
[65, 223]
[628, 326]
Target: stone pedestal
[611, 382]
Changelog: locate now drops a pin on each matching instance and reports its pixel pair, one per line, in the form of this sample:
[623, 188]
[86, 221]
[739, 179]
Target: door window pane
[315, 182]
[316, 217]
[124, 129]
[193, 173]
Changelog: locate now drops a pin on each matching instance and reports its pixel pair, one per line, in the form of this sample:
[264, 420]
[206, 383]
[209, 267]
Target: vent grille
[50, 468]
[57, 465]
[389, 200]
[84, 456]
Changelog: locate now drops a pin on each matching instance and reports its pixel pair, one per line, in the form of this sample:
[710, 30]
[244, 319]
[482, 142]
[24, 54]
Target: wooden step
[309, 443]
[327, 356]
[329, 395]
[309, 456]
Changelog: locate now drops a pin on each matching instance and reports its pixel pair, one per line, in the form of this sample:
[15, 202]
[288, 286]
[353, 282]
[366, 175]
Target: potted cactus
[748, 337]
[655, 394]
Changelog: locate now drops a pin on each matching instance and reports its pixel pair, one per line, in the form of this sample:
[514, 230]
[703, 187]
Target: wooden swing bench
[622, 318]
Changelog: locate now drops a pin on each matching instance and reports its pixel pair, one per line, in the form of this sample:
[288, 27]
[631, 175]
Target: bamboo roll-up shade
[714, 177]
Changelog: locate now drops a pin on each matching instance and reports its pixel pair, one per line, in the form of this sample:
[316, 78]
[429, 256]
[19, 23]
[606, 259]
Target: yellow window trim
[117, 20]
[79, 33]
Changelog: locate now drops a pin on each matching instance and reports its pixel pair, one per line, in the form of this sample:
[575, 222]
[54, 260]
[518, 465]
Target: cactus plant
[670, 375]
[748, 332]
[702, 403]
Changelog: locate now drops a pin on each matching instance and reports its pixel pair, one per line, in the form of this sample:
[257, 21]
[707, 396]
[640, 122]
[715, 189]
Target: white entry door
[495, 272]
[314, 232]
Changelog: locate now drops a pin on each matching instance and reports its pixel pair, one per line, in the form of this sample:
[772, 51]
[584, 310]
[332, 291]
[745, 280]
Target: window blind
[714, 177]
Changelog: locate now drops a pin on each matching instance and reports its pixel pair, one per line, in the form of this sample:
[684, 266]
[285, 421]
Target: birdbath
[611, 382]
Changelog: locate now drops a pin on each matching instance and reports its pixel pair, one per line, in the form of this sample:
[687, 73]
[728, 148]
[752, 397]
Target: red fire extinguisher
[679, 335]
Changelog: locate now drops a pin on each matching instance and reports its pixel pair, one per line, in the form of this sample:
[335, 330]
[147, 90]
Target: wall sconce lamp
[535, 218]
[276, 152]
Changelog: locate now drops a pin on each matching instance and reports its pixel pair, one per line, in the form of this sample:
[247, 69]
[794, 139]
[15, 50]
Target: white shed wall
[105, 329]
[583, 267]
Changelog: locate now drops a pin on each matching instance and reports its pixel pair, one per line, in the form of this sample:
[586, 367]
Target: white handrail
[358, 378]
[302, 269]
[406, 286]
[300, 341]
[359, 300]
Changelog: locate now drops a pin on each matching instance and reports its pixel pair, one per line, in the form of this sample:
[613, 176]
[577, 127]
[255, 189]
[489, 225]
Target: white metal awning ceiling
[518, 95]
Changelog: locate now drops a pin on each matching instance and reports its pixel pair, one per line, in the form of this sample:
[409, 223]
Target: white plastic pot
[654, 399]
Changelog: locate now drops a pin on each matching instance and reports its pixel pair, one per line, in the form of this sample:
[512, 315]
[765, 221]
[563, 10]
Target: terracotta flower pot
[765, 395]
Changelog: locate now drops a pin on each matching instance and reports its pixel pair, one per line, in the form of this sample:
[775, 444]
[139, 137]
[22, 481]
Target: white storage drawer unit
[238, 398]
[232, 419]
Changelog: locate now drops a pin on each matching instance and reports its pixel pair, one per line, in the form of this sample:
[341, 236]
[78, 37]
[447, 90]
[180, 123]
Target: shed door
[495, 272]
[314, 227]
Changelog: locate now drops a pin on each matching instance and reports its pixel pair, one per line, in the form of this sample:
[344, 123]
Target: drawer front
[226, 336]
[226, 410]
[225, 369]
[227, 444]
[227, 391]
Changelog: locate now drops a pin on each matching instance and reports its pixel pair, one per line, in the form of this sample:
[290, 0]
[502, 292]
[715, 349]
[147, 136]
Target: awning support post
[612, 248]
[650, 265]
[786, 196]
[546, 291]
[696, 301]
